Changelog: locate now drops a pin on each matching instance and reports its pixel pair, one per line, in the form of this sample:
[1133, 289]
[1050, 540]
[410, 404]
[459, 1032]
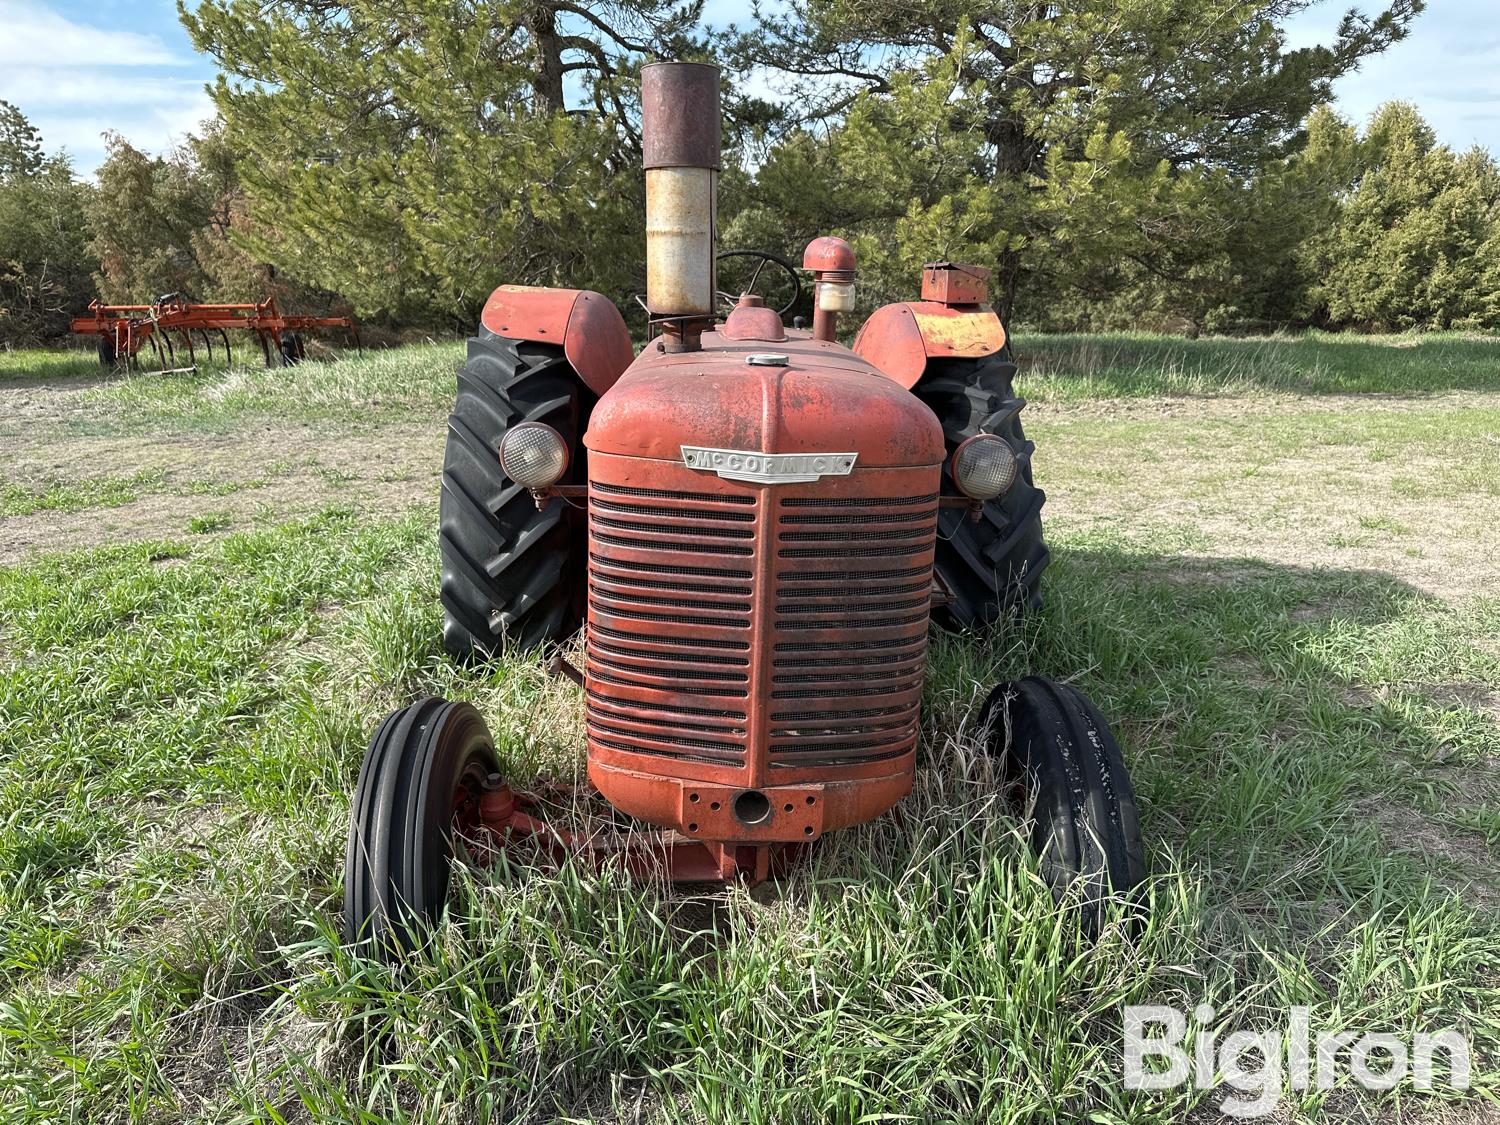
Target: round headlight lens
[533, 454]
[985, 467]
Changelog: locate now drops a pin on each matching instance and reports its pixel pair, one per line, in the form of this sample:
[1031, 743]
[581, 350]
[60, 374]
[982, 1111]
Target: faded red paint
[826, 398]
[748, 636]
[530, 825]
[751, 320]
[899, 339]
[587, 325]
[829, 255]
[129, 327]
[949, 283]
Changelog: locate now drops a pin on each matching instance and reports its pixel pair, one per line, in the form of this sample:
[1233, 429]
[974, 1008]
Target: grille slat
[672, 660]
[850, 699]
[669, 639]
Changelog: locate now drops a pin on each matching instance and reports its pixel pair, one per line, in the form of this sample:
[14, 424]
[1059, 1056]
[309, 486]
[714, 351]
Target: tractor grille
[671, 584]
[853, 592]
[770, 630]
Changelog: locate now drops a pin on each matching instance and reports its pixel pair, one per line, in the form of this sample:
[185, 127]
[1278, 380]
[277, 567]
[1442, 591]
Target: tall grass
[1071, 366]
[180, 724]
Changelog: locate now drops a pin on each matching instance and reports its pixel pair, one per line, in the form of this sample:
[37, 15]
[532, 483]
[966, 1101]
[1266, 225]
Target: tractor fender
[899, 339]
[587, 325]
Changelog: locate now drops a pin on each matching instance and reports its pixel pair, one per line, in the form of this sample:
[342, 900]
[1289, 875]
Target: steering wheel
[731, 299]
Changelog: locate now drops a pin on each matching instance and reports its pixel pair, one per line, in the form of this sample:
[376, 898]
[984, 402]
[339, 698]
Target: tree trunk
[547, 87]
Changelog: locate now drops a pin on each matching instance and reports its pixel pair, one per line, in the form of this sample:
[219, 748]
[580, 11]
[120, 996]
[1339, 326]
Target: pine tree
[412, 154]
[45, 264]
[1076, 146]
[1415, 239]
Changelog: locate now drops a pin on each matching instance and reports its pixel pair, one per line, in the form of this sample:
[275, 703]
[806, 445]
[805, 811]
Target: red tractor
[755, 526]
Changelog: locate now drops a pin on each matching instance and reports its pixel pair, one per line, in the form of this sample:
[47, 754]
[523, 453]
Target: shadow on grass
[1295, 733]
[1107, 365]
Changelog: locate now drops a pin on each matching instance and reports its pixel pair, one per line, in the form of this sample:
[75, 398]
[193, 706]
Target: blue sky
[80, 67]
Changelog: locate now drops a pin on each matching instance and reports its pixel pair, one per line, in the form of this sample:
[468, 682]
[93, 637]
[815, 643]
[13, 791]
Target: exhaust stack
[680, 141]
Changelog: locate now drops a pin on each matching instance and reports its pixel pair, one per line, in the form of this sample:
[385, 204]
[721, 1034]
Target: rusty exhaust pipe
[680, 141]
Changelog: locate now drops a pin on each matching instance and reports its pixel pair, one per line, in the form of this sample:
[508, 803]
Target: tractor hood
[823, 400]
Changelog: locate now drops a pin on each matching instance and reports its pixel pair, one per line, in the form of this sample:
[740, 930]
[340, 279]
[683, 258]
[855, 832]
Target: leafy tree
[412, 154]
[177, 224]
[45, 263]
[1416, 239]
[1077, 146]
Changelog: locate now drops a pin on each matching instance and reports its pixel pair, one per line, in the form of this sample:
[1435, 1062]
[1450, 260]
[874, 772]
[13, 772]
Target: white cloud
[76, 82]
[35, 35]
[42, 88]
[1446, 67]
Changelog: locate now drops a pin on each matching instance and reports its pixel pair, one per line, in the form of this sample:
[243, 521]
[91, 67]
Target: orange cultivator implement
[169, 324]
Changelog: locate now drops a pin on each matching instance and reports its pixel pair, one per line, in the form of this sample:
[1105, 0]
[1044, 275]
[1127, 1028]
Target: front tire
[419, 786]
[511, 574]
[1061, 765]
[995, 564]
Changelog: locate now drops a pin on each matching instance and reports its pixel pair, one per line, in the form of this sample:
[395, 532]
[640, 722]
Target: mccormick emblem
[769, 468]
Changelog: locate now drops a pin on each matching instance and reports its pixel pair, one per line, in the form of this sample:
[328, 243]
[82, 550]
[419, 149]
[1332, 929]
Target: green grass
[1314, 746]
[181, 726]
[398, 384]
[416, 382]
[46, 363]
[1072, 366]
[79, 495]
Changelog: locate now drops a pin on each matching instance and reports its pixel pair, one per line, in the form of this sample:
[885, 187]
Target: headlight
[985, 467]
[533, 454]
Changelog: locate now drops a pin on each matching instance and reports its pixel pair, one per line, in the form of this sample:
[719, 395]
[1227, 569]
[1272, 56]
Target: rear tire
[1063, 767]
[511, 574]
[293, 349]
[420, 783]
[994, 564]
[107, 355]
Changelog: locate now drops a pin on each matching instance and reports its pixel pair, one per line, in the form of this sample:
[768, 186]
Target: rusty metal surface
[822, 400]
[745, 636]
[899, 339]
[551, 825]
[950, 283]
[680, 125]
[587, 325]
[130, 327]
[750, 636]
[751, 320]
[828, 255]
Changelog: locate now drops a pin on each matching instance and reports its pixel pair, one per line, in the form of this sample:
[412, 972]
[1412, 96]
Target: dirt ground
[271, 471]
[1191, 473]
[1204, 477]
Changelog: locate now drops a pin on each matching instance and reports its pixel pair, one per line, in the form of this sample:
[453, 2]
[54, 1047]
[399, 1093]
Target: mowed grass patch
[181, 723]
[1072, 367]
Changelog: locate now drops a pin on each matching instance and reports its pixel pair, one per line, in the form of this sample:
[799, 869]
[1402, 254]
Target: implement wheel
[511, 574]
[996, 563]
[419, 789]
[1063, 768]
[293, 349]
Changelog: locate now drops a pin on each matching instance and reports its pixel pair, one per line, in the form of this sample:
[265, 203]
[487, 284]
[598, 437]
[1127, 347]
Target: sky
[80, 67]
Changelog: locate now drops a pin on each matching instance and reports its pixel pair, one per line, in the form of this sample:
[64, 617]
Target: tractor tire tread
[992, 566]
[511, 575]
